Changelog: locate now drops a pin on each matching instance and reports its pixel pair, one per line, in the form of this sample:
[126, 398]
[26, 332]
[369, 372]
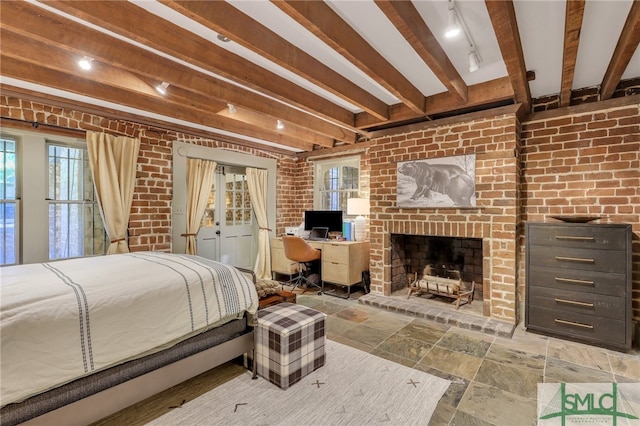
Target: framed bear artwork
[437, 182]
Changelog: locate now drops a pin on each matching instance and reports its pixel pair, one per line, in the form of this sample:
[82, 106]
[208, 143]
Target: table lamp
[358, 207]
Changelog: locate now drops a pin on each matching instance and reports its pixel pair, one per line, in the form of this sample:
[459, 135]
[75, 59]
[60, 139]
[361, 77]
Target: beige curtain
[257, 182]
[199, 181]
[113, 166]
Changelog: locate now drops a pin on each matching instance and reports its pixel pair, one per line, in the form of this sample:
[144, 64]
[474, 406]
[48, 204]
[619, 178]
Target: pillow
[267, 287]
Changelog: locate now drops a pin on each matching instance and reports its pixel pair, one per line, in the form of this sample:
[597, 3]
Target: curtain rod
[37, 124]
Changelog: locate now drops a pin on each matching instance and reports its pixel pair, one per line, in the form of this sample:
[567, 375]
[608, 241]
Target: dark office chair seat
[297, 250]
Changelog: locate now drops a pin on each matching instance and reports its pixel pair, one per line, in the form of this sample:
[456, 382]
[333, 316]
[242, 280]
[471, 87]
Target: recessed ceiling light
[85, 63]
[162, 88]
[223, 39]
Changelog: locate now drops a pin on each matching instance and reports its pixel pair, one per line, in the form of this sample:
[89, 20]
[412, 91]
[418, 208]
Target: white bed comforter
[66, 319]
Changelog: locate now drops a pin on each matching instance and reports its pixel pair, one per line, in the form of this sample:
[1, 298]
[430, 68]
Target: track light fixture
[279, 125]
[85, 63]
[453, 24]
[474, 61]
[162, 88]
[232, 108]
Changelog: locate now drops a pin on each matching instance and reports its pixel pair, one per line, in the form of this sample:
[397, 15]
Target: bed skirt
[13, 414]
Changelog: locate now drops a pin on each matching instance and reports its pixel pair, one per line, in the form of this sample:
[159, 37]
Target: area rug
[352, 388]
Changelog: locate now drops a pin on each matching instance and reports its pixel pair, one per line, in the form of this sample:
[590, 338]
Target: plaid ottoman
[289, 343]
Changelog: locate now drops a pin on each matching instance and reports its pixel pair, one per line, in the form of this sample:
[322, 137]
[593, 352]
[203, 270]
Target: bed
[83, 338]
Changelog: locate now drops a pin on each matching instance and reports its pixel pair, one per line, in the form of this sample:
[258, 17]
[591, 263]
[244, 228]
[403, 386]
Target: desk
[342, 262]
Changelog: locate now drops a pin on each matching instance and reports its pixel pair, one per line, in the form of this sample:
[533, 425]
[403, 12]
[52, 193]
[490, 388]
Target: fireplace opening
[445, 256]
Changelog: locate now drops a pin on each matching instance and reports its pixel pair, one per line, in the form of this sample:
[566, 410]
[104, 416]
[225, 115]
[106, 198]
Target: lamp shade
[357, 206]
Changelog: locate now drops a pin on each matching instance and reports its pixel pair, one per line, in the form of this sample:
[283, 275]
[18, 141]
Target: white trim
[182, 151]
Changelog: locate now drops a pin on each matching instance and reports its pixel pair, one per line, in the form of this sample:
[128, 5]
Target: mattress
[16, 413]
[68, 319]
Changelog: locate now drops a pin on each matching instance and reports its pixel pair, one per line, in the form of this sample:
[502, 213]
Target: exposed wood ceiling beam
[625, 49]
[134, 49]
[408, 21]
[479, 94]
[101, 88]
[328, 26]
[137, 24]
[240, 28]
[114, 114]
[505, 25]
[75, 37]
[572, 26]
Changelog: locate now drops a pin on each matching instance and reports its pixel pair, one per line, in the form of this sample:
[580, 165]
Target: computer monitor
[331, 219]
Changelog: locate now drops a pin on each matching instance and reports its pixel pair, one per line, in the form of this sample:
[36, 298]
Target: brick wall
[150, 219]
[586, 162]
[287, 193]
[495, 142]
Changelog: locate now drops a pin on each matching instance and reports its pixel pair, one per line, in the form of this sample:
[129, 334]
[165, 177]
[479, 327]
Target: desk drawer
[336, 253]
[601, 237]
[574, 258]
[577, 325]
[610, 283]
[584, 303]
[334, 272]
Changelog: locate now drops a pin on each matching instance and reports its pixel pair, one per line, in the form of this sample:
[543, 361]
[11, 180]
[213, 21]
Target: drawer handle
[571, 237]
[575, 259]
[575, 324]
[574, 302]
[573, 281]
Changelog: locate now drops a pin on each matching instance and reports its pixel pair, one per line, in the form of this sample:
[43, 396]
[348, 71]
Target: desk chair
[297, 250]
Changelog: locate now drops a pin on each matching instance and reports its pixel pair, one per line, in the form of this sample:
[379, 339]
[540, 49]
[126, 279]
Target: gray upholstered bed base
[94, 397]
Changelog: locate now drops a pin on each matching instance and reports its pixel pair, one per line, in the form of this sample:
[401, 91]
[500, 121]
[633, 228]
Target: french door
[226, 230]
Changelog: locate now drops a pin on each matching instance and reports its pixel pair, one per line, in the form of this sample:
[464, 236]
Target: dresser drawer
[584, 303]
[610, 283]
[600, 237]
[576, 325]
[574, 258]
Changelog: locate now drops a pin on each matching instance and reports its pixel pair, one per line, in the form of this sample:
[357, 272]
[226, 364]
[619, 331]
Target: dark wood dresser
[579, 282]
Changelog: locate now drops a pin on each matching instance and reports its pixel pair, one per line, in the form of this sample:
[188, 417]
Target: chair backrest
[297, 249]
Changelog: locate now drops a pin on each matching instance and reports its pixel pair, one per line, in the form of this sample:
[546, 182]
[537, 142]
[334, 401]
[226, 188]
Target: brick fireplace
[412, 254]
[494, 221]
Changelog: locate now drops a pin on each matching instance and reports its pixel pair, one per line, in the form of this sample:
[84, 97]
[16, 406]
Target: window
[48, 208]
[335, 181]
[75, 224]
[237, 207]
[9, 212]
[238, 203]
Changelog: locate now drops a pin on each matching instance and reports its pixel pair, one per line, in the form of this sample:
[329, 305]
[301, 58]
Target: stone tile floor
[494, 377]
